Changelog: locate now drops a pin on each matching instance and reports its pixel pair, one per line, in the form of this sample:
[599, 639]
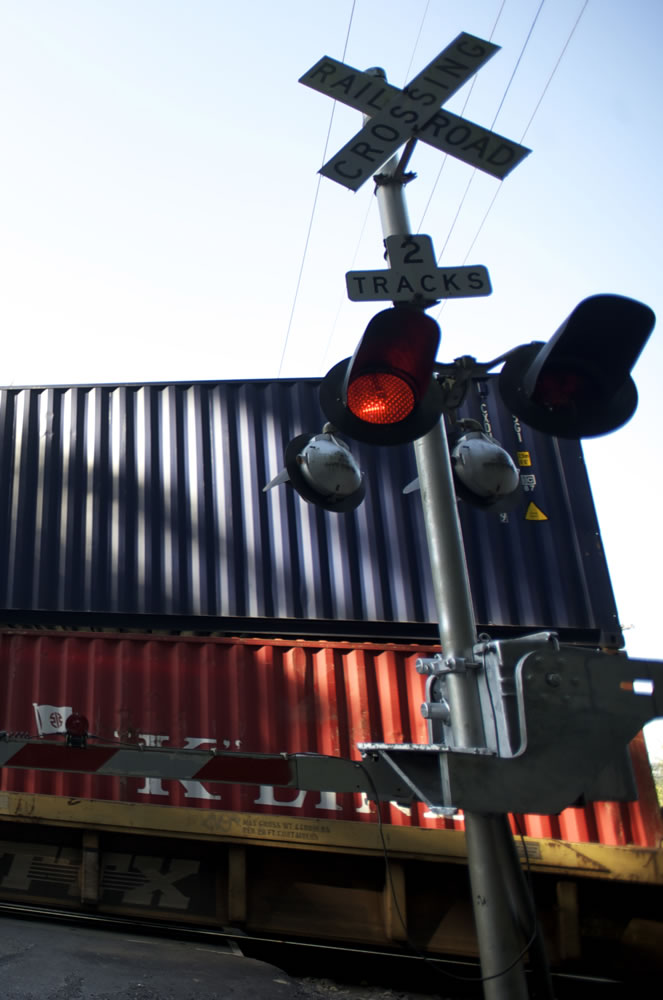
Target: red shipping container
[250, 695]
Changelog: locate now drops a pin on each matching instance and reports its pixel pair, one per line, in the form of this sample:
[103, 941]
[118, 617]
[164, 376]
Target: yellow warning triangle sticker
[534, 513]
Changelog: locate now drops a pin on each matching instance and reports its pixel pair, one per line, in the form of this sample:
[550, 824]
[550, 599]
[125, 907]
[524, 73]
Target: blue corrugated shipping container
[142, 505]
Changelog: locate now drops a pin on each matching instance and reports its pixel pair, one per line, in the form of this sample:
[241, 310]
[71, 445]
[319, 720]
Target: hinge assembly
[557, 723]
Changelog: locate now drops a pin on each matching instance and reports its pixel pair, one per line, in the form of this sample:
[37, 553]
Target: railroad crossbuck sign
[415, 277]
[412, 113]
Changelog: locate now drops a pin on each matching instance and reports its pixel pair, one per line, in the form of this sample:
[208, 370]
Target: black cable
[492, 707]
[446, 155]
[389, 880]
[416, 41]
[538, 958]
[370, 203]
[527, 128]
[495, 117]
[410, 943]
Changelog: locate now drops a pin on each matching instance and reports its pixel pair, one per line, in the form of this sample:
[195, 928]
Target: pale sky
[158, 179]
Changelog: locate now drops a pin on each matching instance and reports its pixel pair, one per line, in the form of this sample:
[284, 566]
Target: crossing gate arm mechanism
[577, 711]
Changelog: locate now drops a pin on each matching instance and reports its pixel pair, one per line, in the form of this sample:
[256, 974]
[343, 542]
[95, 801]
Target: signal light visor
[392, 367]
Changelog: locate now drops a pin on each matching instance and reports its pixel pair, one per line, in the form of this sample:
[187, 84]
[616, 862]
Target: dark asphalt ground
[49, 961]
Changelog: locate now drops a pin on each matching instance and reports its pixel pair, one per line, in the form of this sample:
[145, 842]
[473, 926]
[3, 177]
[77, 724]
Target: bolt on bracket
[439, 665]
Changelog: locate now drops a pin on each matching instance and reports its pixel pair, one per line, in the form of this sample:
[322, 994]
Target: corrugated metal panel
[254, 696]
[147, 500]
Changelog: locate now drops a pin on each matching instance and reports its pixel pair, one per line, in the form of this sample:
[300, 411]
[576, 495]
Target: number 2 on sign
[409, 257]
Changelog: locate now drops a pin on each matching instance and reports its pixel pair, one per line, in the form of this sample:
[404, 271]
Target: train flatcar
[277, 861]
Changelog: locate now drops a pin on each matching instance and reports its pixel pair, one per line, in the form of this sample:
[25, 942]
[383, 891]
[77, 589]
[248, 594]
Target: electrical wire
[315, 202]
[492, 708]
[538, 957]
[410, 943]
[526, 130]
[492, 125]
[416, 41]
[462, 111]
[370, 203]
[342, 297]
[555, 68]
[462, 201]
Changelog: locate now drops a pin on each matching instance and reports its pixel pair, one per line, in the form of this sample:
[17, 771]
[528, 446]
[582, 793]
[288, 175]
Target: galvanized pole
[500, 940]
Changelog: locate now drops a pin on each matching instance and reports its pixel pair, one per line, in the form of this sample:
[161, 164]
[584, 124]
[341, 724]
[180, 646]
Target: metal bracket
[438, 665]
[437, 708]
[384, 179]
[496, 686]
[422, 767]
[563, 736]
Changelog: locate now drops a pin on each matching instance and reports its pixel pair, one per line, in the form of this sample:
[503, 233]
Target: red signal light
[380, 398]
[386, 394]
[564, 387]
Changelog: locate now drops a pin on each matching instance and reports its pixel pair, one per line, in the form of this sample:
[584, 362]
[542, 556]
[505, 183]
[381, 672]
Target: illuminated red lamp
[385, 393]
[380, 398]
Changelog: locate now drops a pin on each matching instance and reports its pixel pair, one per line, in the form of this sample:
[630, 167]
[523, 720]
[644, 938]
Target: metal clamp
[438, 665]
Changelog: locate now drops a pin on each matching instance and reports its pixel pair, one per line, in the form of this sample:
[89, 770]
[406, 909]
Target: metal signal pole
[498, 895]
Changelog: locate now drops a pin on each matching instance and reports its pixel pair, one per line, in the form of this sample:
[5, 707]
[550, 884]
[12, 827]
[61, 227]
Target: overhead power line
[416, 41]
[527, 128]
[462, 112]
[370, 204]
[315, 202]
[495, 117]
[499, 108]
